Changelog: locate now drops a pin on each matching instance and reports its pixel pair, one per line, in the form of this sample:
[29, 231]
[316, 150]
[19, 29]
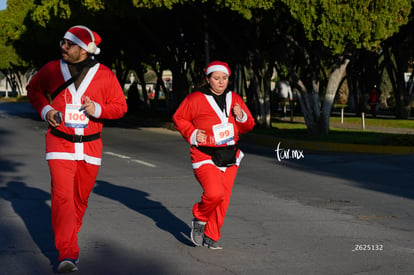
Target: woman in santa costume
[74, 95]
[211, 119]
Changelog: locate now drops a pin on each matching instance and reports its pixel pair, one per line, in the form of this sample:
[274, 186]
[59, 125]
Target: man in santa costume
[74, 95]
[211, 119]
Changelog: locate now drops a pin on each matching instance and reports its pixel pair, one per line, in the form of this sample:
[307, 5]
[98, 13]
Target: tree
[301, 40]
[12, 65]
[398, 57]
[343, 27]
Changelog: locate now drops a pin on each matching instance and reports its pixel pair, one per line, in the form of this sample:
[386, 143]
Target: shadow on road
[19, 109]
[138, 201]
[385, 173]
[30, 204]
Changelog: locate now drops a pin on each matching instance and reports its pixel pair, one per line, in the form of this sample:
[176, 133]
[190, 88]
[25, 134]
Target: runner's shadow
[30, 204]
[138, 201]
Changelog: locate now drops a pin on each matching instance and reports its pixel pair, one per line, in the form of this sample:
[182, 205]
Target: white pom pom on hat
[218, 66]
[84, 38]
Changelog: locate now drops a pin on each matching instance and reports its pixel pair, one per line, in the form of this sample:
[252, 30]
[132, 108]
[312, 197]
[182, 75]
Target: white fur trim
[243, 119]
[217, 68]
[71, 156]
[98, 110]
[90, 48]
[70, 36]
[46, 109]
[193, 138]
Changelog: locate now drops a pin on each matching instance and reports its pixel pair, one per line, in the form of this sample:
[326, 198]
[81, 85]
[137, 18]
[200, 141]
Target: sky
[3, 4]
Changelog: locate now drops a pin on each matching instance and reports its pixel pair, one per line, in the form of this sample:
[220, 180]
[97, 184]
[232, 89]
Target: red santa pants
[215, 200]
[72, 182]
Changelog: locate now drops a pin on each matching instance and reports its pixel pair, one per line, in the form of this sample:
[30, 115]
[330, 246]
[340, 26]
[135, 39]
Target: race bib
[223, 133]
[75, 116]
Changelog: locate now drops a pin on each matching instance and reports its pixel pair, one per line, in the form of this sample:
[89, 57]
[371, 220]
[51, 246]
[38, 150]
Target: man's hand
[88, 106]
[51, 118]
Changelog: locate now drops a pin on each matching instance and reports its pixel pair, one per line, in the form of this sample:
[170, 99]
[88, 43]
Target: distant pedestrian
[373, 99]
[133, 100]
[284, 93]
[211, 119]
[74, 95]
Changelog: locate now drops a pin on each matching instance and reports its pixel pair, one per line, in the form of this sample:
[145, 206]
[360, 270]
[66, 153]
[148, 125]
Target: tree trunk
[180, 90]
[331, 89]
[309, 103]
[403, 98]
[260, 76]
[140, 74]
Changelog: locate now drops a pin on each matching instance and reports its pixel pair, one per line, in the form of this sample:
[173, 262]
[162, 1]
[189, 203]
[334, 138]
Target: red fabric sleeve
[44, 82]
[247, 125]
[114, 105]
[182, 119]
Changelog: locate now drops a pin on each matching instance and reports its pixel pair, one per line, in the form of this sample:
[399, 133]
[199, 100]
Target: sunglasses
[67, 43]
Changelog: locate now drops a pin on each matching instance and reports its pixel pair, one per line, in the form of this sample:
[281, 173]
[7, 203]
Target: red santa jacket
[200, 111]
[100, 85]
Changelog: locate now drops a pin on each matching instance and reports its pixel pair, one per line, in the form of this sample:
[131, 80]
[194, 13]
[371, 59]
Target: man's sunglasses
[68, 44]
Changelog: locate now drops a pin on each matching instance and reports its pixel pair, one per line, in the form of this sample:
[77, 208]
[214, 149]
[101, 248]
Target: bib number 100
[77, 116]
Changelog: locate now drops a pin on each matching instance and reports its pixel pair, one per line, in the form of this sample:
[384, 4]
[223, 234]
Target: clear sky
[3, 4]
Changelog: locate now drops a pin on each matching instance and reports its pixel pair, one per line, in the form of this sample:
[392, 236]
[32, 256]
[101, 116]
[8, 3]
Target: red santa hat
[84, 38]
[218, 66]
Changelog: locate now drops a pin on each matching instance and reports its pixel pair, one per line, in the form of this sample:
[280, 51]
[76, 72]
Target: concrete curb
[327, 146]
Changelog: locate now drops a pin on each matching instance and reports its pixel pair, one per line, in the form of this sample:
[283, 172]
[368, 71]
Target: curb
[328, 147]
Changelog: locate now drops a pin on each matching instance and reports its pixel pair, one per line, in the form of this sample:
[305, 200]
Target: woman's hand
[201, 136]
[237, 111]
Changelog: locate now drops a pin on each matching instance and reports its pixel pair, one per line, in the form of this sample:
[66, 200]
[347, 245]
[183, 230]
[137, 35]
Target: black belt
[75, 138]
[209, 150]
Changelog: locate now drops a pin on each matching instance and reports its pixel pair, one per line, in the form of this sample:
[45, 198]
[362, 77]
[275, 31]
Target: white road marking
[133, 160]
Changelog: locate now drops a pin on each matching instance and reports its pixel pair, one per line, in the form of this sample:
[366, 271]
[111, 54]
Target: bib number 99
[224, 134]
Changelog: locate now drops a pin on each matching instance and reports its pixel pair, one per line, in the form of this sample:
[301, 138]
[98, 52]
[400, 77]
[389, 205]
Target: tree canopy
[309, 42]
[364, 24]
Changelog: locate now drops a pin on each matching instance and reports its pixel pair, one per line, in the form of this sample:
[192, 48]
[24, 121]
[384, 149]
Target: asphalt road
[293, 211]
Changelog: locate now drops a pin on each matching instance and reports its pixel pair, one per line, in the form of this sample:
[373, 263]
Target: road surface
[293, 211]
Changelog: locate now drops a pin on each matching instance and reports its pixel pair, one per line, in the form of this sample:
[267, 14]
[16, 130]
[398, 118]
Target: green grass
[298, 131]
[14, 99]
[381, 122]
